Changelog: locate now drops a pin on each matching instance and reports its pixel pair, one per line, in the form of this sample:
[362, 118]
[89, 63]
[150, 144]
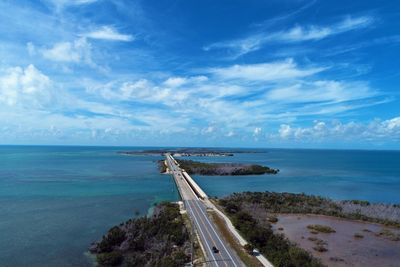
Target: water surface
[54, 201]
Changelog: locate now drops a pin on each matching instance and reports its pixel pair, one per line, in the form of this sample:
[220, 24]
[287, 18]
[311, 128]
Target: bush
[321, 228]
[249, 248]
[109, 258]
[357, 235]
[114, 237]
[275, 247]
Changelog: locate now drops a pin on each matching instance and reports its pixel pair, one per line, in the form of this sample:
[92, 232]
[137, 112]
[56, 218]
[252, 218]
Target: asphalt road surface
[209, 236]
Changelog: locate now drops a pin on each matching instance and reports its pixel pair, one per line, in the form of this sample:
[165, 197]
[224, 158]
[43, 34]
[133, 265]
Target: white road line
[201, 231]
[206, 218]
[208, 221]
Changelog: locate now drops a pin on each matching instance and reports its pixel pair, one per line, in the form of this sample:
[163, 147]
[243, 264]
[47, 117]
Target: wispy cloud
[110, 34]
[270, 71]
[60, 4]
[295, 34]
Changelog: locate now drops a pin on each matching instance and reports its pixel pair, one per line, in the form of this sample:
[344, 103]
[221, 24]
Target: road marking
[208, 221]
[198, 226]
[185, 184]
[211, 236]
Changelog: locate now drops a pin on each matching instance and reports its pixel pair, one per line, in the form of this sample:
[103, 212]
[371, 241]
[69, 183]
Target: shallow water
[369, 251]
[54, 201]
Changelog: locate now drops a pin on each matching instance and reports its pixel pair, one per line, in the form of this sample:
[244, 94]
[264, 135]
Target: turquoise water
[54, 201]
[338, 174]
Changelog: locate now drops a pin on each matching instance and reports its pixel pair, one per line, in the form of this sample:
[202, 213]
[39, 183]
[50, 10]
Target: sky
[228, 73]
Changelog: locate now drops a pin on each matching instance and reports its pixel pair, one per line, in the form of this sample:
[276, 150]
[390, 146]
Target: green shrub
[321, 228]
[107, 259]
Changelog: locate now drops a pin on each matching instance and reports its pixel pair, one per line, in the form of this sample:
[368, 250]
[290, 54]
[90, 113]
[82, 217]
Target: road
[209, 236]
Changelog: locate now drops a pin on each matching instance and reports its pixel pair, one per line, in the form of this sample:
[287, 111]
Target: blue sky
[287, 73]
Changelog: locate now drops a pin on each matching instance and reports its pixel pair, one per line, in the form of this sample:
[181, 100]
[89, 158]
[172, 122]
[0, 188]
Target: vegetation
[279, 250]
[358, 202]
[389, 234]
[358, 235]
[320, 248]
[202, 168]
[249, 248]
[321, 228]
[272, 202]
[251, 214]
[161, 240]
[162, 166]
[244, 253]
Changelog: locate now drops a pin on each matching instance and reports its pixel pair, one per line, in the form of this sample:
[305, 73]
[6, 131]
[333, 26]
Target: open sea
[56, 200]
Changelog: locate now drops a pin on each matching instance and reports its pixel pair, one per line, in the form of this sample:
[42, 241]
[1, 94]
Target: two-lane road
[209, 236]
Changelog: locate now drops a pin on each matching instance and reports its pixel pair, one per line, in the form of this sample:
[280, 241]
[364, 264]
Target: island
[188, 152]
[160, 240]
[203, 168]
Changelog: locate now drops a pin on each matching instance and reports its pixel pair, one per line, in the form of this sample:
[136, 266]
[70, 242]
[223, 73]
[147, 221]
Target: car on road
[215, 250]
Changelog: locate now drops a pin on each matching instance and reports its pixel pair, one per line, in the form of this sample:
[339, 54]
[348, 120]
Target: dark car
[215, 250]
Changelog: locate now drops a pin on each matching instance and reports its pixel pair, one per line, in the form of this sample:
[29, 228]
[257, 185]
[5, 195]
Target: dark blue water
[54, 201]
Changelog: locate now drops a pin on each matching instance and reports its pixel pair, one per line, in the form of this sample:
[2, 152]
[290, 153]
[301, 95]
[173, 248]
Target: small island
[202, 168]
[161, 240]
[188, 152]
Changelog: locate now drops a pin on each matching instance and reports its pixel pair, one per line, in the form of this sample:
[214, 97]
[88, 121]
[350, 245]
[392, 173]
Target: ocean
[56, 200]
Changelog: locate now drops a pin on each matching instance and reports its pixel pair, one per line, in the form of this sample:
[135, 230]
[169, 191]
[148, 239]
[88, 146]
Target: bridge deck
[209, 236]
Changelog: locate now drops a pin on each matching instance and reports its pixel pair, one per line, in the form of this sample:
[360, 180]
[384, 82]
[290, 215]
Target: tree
[249, 248]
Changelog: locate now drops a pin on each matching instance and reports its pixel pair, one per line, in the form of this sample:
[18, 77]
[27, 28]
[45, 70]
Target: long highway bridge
[192, 197]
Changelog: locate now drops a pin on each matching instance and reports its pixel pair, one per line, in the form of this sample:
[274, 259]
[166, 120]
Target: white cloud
[321, 91]
[257, 131]
[31, 48]
[388, 130]
[232, 95]
[295, 34]
[285, 131]
[179, 81]
[271, 71]
[175, 81]
[24, 87]
[208, 130]
[230, 134]
[60, 4]
[73, 52]
[110, 34]
[298, 33]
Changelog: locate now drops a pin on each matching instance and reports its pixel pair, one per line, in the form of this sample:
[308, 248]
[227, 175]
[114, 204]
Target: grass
[389, 234]
[246, 258]
[321, 228]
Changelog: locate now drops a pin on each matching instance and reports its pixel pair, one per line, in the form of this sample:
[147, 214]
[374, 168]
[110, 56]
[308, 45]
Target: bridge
[193, 198]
